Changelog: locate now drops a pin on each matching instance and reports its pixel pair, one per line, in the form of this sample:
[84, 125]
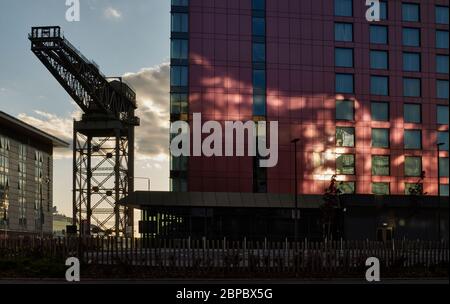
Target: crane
[103, 139]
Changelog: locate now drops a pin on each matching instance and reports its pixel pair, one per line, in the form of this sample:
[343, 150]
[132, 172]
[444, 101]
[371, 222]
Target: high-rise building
[368, 100]
[26, 178]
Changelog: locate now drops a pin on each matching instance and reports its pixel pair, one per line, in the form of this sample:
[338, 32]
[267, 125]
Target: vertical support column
[129, 212]
[74, 177]
[117, 182]
[88, 185]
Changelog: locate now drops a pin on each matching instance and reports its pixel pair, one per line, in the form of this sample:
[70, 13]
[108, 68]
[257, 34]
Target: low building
[60, 223]
[26, 177]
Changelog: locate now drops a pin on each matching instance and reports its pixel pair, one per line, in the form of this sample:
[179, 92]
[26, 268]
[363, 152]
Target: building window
[343, 57]
[4, 178]
[380, 138]
[442, 115]
[379, 60]
[380, 188]
[345, 110]
[179, 76]
[441, 39]
[180, 22]
[442, 89]
[180, 2]
[411, 36]
[344, 83]
[259, 5]
[380, 165]
[179, 185]
[379, 111]
[441, 14]
[383, 10]
[259, 26]
[442, 137]
[259, 52]
[411, 188]
[346, 187]
[412, 139]
[179, 49]
[259, 81]
[178, 103]
[179, 163]
[411, 62]
[345, 164]
[343, 32]
[413, 166]
[379, 34]
[412, 87]
[442, 64]
[345, 137]
[259, 105]
[443, 190]
[22, 184]
[443, 166]
[379, 85]
[343, 8]
[410, 12]
[412, 113]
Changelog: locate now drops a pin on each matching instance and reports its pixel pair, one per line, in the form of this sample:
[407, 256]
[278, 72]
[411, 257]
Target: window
[413, 166]
[343, 8]
[259, 52]
[180, 22]
[442, 39]
[380, 165]
[344, 83]
[379, 60]
[343, 57]
[412, 139]
[412, 113]
[259, 5]
[443, 166]
[178, 103]
[412, 87]
[380, 188]
[379, 85]
[259, 26]
[259, 105]
[179, 49]
[411, 37]
[383, 10]
[345, 164]
[345, 137]
[259, 81]
[442, 137]
[442, 115]
[443, 190]
[179, 185]
[379, 34]
[412, 188]
[410, 12]
[442, 89]
[379, 111]
[343, 31]
[178, 76]
[442, 64]
[180, 2]
[345, 110]
[441, 14]
[179, 163]
[411, 62]
[380, 138]
[346, 187]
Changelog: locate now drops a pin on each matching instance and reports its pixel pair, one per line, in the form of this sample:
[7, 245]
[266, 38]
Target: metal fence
[225, 256]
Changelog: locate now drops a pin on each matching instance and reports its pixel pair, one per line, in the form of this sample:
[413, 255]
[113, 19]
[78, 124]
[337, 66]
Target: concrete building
[368, 101]
[26, 177]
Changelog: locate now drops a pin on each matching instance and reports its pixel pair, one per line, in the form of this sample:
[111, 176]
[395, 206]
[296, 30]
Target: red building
[368, 100]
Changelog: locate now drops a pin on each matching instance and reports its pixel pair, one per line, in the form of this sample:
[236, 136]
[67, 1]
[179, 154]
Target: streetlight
[438, 147]
[294, 142]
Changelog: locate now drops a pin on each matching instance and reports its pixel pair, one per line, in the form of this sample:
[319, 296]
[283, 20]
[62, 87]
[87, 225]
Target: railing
[187, 256]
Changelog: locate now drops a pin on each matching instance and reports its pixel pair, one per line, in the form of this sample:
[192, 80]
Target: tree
[330, 206]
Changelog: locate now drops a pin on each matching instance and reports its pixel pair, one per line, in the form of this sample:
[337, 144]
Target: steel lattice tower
[103, 140]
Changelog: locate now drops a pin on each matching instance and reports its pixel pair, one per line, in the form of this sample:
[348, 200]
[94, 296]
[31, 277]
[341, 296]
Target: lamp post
[294, 142]
[438, 148]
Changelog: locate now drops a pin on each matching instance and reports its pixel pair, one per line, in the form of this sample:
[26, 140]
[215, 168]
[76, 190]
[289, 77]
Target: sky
[125, 38]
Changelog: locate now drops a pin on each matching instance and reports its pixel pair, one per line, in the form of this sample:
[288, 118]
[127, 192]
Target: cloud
[112, 13]
[152, 136]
